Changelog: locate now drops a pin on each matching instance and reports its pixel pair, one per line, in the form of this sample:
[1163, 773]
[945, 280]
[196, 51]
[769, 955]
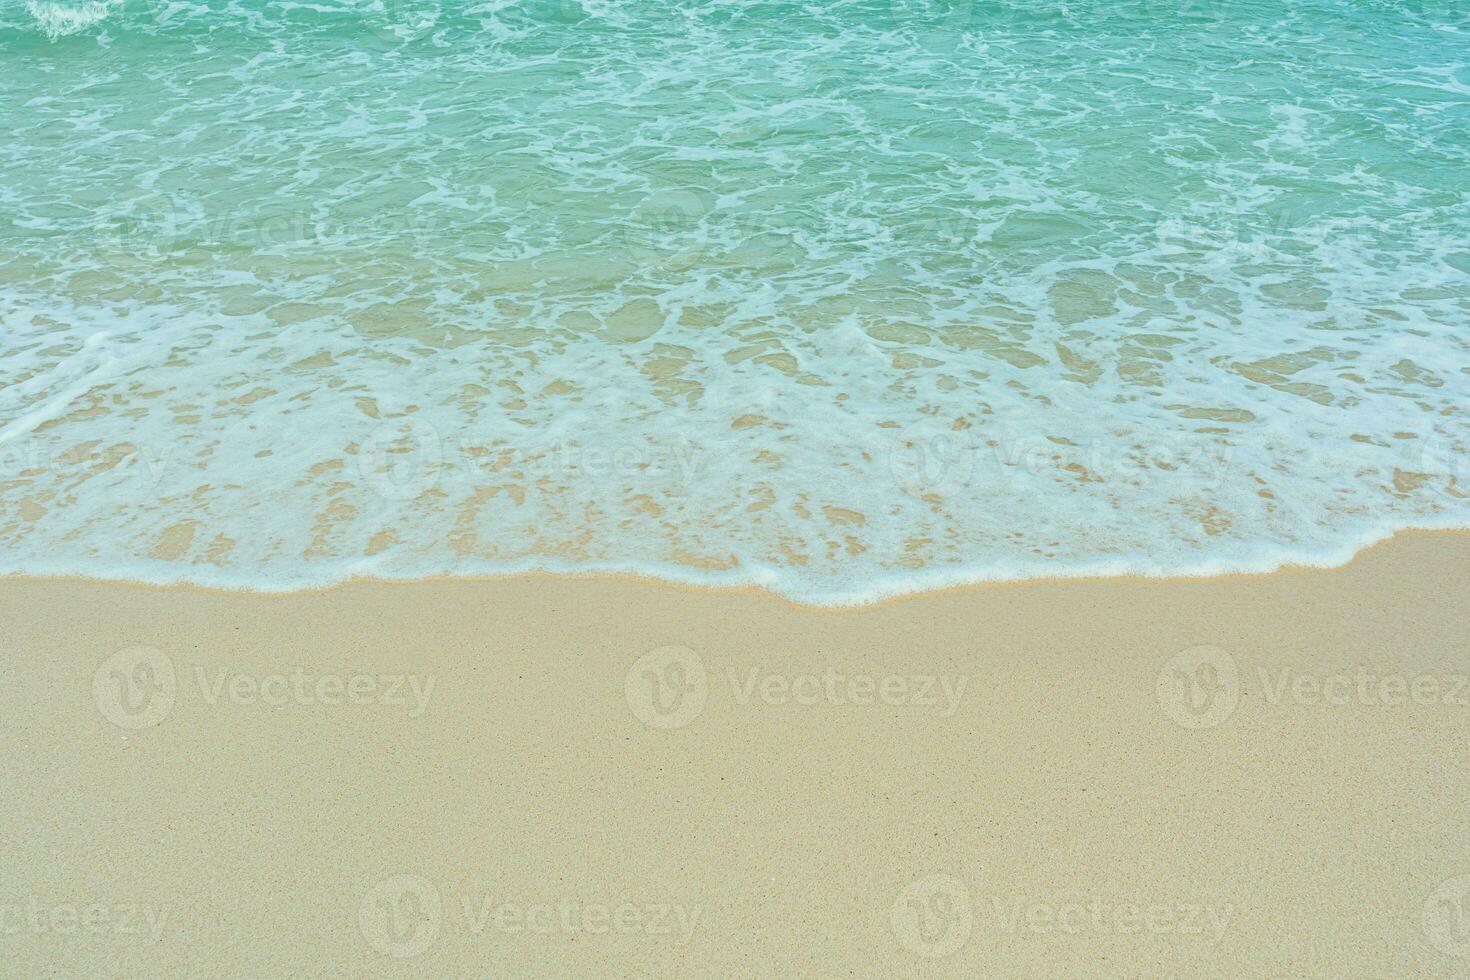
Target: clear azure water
[846, 298]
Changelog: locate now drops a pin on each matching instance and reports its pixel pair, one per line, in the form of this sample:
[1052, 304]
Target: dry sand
[559, 777]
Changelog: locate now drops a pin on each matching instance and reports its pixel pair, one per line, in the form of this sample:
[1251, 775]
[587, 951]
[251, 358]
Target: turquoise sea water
[846, 298]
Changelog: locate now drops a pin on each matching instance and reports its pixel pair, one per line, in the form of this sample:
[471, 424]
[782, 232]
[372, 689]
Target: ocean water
[845, 298]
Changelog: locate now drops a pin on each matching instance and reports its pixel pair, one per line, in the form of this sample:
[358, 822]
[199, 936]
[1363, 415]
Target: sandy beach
[504, 489]
[546, 776]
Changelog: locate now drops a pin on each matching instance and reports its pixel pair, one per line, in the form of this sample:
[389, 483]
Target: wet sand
[545, 776]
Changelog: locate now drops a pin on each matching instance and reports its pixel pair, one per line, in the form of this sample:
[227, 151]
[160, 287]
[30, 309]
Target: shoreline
[1387, 540]
[1248, 775]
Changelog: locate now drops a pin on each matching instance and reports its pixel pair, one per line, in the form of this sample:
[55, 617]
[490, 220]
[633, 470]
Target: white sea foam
[59, 19]
[844, 309]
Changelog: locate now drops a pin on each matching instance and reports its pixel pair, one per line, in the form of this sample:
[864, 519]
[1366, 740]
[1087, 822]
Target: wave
[415, 292]
[57, 20]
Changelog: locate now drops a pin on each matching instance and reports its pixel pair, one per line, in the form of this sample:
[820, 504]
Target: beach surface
[1256, 775]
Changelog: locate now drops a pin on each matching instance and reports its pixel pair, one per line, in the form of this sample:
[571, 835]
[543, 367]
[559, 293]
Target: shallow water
[843, 298]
